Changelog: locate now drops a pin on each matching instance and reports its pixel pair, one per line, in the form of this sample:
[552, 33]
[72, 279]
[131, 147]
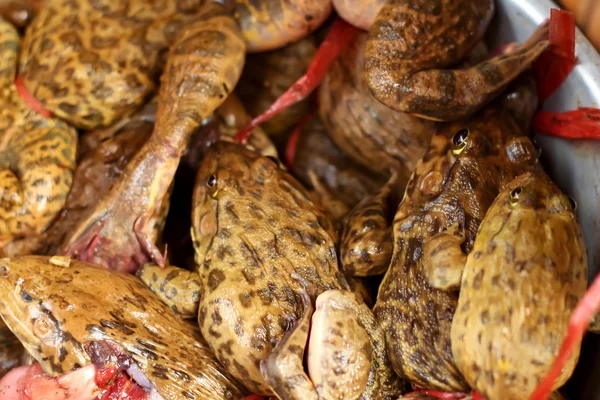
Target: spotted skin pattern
[531, 246]
[203, 67]
[254, 226]
[37, 155]
[367, 244]
[54, 311]
[456, 180]
[412, 44]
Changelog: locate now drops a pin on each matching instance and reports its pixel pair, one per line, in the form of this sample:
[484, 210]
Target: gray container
[573, 164]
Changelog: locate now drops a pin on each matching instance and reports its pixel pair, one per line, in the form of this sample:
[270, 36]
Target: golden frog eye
[573, 203]
[514, 196]
[459, 140]
[212, 181]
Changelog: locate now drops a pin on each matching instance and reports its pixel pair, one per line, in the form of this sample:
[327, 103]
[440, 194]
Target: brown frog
[66, 323]
[37, 154]
[203, 66]
[342, 177]
[521, 282]
[413, 46]
[93, 62]
[366, 243]
[261, 246]
[375, 136]
[465, 167]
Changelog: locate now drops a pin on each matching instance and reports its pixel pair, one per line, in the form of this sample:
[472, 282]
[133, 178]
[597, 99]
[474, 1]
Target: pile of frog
[413, 242]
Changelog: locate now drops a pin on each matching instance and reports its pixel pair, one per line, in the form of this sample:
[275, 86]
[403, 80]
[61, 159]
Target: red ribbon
[30, 100]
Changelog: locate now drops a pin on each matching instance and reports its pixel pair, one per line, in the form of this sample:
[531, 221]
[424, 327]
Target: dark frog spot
[215, 277]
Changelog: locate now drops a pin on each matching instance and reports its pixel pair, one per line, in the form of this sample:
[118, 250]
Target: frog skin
[62, 321]
[413, 46]
[202, 68]
[465, 167]
[94, 62]
[342, 177]
[529, 245]
[37, 155]
[360, 13]
[260, 244]
[106, 155]
[378, 138]
[366, 246]
[267, 76]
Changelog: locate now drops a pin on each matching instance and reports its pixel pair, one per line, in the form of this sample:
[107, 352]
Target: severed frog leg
[283, 370]
[444, 259]
[176, 287]
[367, 243]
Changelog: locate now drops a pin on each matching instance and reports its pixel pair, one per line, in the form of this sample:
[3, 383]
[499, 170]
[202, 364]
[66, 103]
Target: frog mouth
[111, 375]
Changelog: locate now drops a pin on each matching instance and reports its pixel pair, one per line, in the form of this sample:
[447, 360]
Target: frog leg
[199, 59]
[367, 240]
[283, 371]
[176, 287]
[444, 260]
[346, 352]
[425, 86]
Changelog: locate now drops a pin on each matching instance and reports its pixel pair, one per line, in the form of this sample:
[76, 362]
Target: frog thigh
[444, 261]
[176, 287]
[283, 370]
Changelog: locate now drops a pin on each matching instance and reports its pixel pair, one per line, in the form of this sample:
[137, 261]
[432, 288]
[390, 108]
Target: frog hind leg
[444, 259]
[283, 370]
[347, 355]
[367, 242]
[176, 287]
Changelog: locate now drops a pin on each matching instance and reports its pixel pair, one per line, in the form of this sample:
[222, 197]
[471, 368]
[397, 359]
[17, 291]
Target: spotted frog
[529, 246]
[413, 46]
[263, 251]
[37, 154]
[458, 178]
[65, 324]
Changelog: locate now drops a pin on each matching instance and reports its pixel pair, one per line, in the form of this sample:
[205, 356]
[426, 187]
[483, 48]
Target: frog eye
[459, 140]
[514, 196]
[212, 181]
[573, 203]
[26, 297]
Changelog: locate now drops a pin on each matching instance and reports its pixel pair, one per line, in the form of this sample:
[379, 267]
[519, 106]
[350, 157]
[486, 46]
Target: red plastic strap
[254, 397]
[290, 150]
[583, 123]
[437, 394]
[580, 320]
[554, 66]
[30, 100]
[338, 38]
[476, 396]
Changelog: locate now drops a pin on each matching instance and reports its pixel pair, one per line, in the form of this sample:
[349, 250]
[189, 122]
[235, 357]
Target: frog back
[522, 280]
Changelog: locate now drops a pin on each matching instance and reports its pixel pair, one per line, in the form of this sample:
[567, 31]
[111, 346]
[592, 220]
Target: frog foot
[107, 241]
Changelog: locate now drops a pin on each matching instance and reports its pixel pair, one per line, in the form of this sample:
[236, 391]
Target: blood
[104, 375]
[123, 388]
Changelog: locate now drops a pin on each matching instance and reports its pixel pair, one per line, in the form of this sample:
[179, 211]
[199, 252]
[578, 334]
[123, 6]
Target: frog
[530, 245]
[260, 267]
[316, 157]
[377, 137]
[65, 324]
[413, 48]
[120, 233]
[19, 12]
[37, 154]
[465, 167]
[366, 244]
[93, 63]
